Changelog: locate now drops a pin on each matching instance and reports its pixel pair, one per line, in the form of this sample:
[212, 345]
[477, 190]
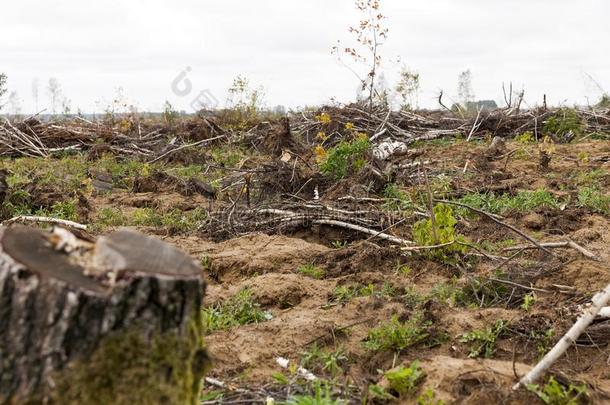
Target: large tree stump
[117, 321]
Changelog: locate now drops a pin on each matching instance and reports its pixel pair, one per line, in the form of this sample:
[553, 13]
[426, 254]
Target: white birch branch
[597, 303]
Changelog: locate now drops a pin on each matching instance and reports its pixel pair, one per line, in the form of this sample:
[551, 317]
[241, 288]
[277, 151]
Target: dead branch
[599, 300]
[554, 245]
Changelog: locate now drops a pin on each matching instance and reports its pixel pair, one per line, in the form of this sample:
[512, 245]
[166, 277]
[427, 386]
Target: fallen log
[116, 322]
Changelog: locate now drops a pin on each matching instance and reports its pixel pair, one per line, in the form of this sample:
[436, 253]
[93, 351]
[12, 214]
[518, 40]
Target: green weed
[594, 199]
[483, 342]
[404, 380]
[443, 232]
[241, 309]
[554, 393]
[396, 335]
[345, 157]
[330, 361]
[311, 270]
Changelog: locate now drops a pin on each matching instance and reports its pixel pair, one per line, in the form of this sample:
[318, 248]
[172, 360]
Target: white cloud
[95, 47]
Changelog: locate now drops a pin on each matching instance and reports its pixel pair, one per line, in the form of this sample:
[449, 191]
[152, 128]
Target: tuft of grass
[396, 199]
[311, 270]
[523, 201]
[404, 380]
[483, 341]
[345, 157]
[594, 199]
[344, 293]
[241, 309]
[396, 335]
[428, 397]
[330, 361]
[554, 393]
[320, 396]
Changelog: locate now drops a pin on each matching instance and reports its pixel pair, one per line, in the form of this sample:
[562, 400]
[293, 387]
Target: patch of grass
[483, 341]
[175, 220]
[396, 335]
[228, 155]
[241, 309]
[563, 121]
[404, 380]
[344, 293]
[311, 270]
[590, 178]
[345, 157]
[523, 201]
[594, 199]
[525, 138]
[396, 199]
[544, 340]
[62, 210]
[554, 393]
[320, 396]
[329, 361]
[428, 397]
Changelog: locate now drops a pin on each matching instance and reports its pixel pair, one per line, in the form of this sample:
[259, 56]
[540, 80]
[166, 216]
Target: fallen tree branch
[597, 303]
[380, 235]
[49, 220]
[497, 221]
[561, 244]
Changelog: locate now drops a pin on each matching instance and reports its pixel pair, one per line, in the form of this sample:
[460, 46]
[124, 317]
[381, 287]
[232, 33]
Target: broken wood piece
[48, 220]
[599, 301]
[72, 338]
[554, 245]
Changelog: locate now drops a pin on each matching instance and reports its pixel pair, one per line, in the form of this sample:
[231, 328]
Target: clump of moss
[127, 368]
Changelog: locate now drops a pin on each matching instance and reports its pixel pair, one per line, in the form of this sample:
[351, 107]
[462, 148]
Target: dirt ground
[303, 312]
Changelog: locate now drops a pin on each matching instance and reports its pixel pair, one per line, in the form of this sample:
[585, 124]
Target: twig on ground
[597, 303]
[561, 244]
[29, 218]
[496, 220]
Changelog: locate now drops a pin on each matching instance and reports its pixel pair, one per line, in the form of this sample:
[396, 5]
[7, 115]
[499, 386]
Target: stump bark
[117, 321]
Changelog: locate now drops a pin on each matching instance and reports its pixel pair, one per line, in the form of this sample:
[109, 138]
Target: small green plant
[110, 217]
[483, 341]
[396, 199]
[544, 340]
[525, 138]
[404, 380]
[280, 378]
[591, 178]
[396, 335]
[428, 397]
[528, 301]
[594, 199]
[206, 263]
[425, 233]
[377, 392]
[311, 270]
[241, 309]
[554, 393]
[320, 396]
[330, 361]
[344, 293]
[523, 201]
[338, 244]
[345, 157]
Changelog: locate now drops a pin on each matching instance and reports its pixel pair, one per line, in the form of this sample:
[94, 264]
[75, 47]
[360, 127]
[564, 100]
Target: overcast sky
[94, 47]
